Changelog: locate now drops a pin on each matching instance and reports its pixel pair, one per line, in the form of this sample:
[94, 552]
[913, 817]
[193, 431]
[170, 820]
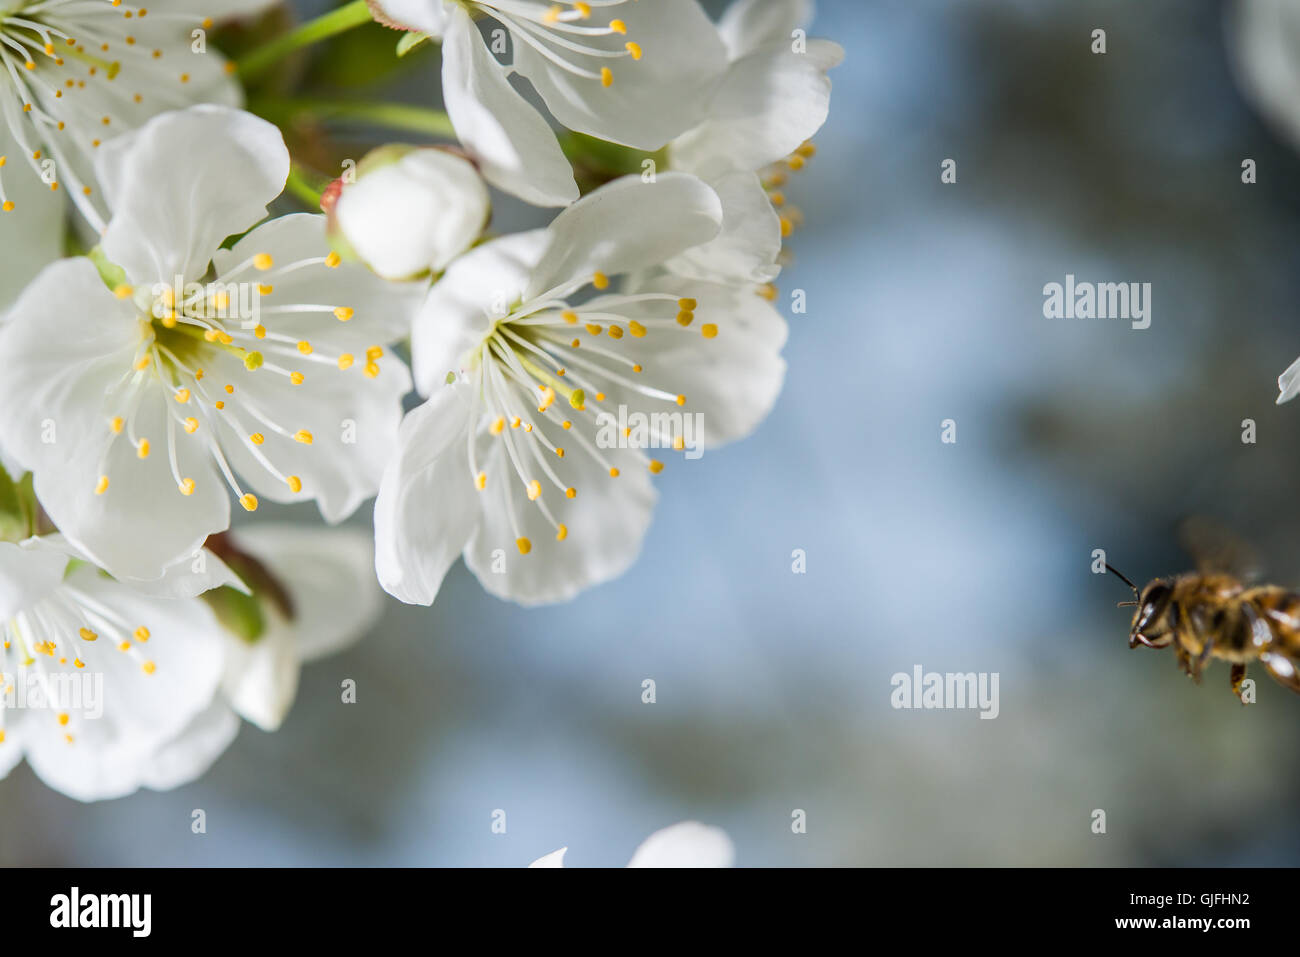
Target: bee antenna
[1124, 578]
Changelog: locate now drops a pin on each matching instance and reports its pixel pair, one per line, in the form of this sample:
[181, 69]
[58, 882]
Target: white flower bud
[410, 210]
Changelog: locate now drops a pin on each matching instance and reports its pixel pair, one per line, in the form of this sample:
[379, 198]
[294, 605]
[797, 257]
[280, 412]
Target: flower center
[542, 375]
[187, 328]
[560, 34]
[74, 68]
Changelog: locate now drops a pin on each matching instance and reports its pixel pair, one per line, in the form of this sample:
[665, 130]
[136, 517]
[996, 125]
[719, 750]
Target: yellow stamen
[249, 501]
[524, 545]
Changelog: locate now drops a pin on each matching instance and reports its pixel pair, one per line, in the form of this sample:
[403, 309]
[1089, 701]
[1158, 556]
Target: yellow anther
[257, 438]
[577, 399]
[343, 313]
[116, 425]
[561, 532]
[370, 370]
[636, 329]
[584, 9]
[534, 490]
[593, 329]
[498, 425]
[524, 545]
[219, 405]
[253, 361]
[8, 206]
[345, 361]
[560, 452]
[249, 501]
[656, 466]
[63, 718]
[768, 291]
[618, 26]
[142, 633]
[374, 352]
[304, 347]
[633, 48]
[333, 260]
[87, 635]
[795, 162]
[777, 198]
[569, 316]
[616, 332]
[143, 363]
[787, 227]
[265, 289]
[807, 150]
[708, 330]
[515, 422]
[575, 343]
[679, 443]
[637, 367]
[566, 424]
[263, 261]
[186, 486]
[259, 330]
[681, 400]
[297, 378]
[191, 425]
[303, 436]
[230, 389]
[148, 667]
[570, 492]
[613, 473]
[480, 481]
[142, 450]
[76, 661]
[600, 280]
[123, 291]
[685, 318]
[600, 397]
[552, 15]
[181, 395]
[294, 483]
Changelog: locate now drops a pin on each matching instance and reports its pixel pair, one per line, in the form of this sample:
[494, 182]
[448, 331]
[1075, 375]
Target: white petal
[627, 225]
[1266, 57]
[606, 525]
[426, 16]
[261, 677]
[515, 148]
[192, 751]
[767, 105]
[459, 311]
[330, 576]
[553, 859]
[426, 509]
[1288, 383]
[689, 844]
[184, 182]
[731, 381]
[747, 25]
[412, 214]
[746, 250]
[650, 100]
[28, 573]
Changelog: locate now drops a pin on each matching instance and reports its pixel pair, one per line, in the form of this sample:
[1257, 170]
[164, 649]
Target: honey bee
[1211, 613]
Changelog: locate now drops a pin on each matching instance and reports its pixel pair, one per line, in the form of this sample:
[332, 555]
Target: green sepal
[112, 274]
[240, 614]
[411, 41]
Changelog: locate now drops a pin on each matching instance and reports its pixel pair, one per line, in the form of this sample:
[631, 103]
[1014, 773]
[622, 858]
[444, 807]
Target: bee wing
[1216, 550]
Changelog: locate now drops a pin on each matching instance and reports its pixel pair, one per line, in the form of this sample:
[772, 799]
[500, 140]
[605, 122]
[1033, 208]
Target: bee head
[1153, 621]
[1153, 624]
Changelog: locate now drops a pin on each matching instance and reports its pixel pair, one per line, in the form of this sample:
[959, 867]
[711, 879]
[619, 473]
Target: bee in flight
[1210, 613]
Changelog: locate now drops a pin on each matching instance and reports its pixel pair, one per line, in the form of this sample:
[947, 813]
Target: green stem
[351, 14]
[397, 116]
[299, 183]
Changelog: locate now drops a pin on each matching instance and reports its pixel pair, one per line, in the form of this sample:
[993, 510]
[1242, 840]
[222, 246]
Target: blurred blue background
[925, 304]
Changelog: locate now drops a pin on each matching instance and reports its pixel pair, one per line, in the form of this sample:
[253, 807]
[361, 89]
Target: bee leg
[1282, 669]
[1238, 676]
